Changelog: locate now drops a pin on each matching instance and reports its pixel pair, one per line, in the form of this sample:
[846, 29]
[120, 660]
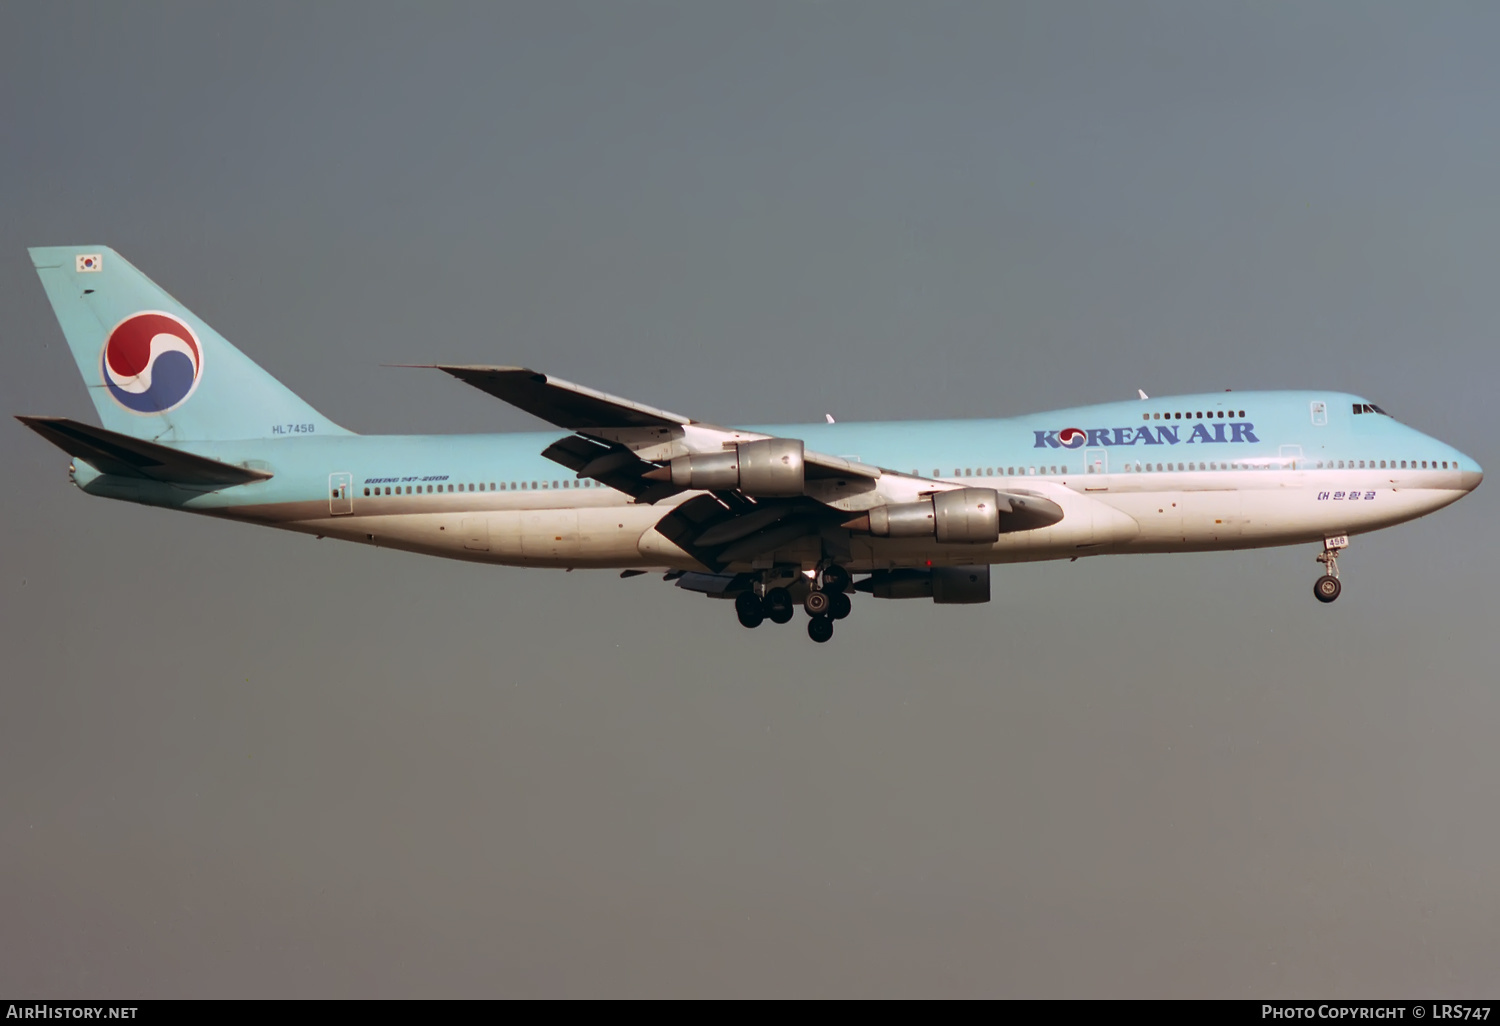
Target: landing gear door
[340, 494]
[1095, 467]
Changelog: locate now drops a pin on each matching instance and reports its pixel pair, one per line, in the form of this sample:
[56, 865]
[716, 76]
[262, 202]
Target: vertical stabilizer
[153, 369]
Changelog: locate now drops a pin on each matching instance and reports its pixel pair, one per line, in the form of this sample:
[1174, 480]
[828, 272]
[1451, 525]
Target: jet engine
[768, 467]
[945, 585]
[975, 516]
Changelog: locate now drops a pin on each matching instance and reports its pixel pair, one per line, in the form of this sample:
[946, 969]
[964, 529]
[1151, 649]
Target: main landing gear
[825, 602]
[1328, 587]
[778, 605]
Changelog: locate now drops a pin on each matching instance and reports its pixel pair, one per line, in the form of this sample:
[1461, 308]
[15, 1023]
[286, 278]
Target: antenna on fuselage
[1142, 393]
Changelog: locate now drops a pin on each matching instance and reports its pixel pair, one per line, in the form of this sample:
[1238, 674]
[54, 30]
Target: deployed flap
[611, 465]
[717, 585]
[114, 453]
[560, 402]
[720, 529]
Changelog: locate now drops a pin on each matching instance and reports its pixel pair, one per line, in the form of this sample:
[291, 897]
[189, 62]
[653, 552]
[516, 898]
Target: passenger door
[340, 494]
[1095, 467]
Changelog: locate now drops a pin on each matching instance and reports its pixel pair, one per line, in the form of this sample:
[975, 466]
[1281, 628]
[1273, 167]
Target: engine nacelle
[945, 585]
[960, 585]
[898, 584]
[965, 515]
[769, 467]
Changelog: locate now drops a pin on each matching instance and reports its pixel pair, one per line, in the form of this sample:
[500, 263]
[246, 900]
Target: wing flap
[612, 465]
[715, 585]
[113, 453]
[724, 528]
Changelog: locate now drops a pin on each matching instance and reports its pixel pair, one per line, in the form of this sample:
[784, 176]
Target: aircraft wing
[627, 446]
[561, 402]
[599, 415]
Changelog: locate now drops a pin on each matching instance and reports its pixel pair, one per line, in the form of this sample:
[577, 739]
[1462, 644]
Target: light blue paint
[235, 398]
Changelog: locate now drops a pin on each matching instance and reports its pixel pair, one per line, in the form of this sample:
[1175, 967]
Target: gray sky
[240, 762]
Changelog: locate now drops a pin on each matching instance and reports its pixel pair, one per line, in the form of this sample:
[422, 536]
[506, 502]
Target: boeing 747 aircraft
[768, 517]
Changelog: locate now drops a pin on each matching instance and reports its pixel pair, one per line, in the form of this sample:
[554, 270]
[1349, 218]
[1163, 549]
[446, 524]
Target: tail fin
[153, 369]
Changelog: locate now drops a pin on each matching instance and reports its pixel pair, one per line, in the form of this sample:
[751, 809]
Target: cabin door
[1095, 466]
[340, 494]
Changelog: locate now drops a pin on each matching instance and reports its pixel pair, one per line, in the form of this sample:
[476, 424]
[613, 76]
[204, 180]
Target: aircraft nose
[1469, 480]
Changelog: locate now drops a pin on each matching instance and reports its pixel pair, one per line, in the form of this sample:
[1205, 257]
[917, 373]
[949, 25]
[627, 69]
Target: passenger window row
[1052, 470]
[1322, 465]
[1057, 470]
[1139, 467]
[1211, 415]
[503, 486]
[1393, 464]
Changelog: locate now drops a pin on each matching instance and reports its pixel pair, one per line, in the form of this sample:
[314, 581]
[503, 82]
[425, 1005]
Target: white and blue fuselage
[769, 516]
[1176, 474]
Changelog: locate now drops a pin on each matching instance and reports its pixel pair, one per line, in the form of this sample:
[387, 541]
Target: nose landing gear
[1327, 587]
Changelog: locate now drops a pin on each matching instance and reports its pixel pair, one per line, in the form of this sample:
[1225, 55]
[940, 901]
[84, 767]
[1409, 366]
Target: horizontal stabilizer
[113, 453]
[560, 402]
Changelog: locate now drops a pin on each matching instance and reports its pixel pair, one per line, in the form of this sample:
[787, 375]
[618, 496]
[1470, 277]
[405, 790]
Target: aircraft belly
[587, 537]
[1275, 513]
[1160, 516]
[548, 535]
[624, 536]
[583, 538]
[609, 535]
[1211, 517]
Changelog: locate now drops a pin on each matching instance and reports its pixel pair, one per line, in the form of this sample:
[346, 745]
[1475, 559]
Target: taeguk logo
[1072, 438]
[151, 362]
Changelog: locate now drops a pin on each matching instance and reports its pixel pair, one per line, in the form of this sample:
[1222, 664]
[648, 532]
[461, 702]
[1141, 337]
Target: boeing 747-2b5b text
[767, 517]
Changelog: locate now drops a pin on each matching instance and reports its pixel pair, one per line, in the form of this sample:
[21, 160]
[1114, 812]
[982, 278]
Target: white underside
[1117, 513]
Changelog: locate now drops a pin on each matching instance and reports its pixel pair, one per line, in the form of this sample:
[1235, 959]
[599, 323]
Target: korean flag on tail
[88, 261]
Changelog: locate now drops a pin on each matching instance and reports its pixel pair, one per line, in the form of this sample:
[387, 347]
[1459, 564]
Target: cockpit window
[1369, 408]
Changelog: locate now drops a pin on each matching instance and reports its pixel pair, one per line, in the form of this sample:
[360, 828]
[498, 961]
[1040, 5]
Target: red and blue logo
[151, 362]
[1072, 438]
